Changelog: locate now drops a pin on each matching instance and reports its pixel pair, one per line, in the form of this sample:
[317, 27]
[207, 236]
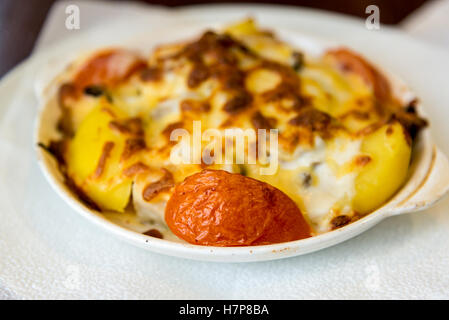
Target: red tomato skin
[217, 208]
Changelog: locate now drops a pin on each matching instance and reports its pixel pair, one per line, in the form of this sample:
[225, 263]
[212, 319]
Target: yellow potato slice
[104, 184]
[247, 26]
[382, 176]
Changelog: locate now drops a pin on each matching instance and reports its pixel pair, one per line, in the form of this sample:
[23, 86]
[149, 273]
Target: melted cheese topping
[240, 78]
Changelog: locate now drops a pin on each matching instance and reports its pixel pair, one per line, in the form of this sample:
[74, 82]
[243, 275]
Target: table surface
[22, 20]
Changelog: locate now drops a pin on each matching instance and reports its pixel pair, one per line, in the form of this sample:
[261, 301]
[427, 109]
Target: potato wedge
[93, 159]
[244, 27]
[389, 151]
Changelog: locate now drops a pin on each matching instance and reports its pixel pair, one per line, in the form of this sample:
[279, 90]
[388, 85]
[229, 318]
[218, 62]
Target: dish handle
[434, 186]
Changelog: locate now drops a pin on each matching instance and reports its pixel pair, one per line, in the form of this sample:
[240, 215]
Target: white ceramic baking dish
[428, 179]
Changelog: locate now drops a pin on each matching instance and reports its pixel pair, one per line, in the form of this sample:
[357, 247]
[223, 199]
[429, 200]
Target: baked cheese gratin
[343, 149]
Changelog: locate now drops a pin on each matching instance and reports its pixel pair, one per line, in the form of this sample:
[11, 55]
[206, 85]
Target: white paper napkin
[430, 23]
